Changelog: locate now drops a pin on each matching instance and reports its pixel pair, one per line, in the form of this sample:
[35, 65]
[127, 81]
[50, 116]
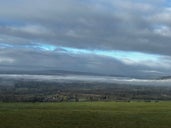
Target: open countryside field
[86, 115]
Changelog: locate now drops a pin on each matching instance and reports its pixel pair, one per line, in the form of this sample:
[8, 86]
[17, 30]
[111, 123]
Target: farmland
[132, 114]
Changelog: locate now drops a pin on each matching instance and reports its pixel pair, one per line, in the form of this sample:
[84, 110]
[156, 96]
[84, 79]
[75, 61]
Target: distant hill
[68, 72]
[51, 72]
[65, 72]
[165, 78]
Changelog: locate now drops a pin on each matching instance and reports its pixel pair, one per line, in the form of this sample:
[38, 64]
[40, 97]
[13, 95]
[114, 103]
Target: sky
[114, 37]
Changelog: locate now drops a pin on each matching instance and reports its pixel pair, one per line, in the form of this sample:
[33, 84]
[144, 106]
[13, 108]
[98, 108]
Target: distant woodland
[37, 91]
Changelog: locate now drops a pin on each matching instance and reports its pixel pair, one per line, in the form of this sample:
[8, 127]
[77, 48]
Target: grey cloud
[128, 25]
[104, 24]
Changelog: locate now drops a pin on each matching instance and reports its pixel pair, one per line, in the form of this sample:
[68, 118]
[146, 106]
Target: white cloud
[6, 60]
[163, 31]
[30, 29]
[152, 71]
[163, 16]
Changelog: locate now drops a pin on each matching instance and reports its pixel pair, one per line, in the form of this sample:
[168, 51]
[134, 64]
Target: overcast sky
[121, 37]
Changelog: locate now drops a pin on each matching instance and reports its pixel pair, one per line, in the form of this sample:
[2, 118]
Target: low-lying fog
[85, 78]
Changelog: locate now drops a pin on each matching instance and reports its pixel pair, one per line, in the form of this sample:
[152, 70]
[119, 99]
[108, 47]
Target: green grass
[86, 115]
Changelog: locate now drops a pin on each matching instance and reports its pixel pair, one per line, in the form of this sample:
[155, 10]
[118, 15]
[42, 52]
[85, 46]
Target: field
[86, 115]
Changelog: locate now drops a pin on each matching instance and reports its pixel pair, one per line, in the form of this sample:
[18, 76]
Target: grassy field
[86, 115]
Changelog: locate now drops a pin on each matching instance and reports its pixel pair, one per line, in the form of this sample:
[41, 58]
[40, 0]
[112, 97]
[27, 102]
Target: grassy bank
[86, 115]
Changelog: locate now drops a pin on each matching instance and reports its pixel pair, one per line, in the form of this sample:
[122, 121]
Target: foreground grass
[86, 115]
